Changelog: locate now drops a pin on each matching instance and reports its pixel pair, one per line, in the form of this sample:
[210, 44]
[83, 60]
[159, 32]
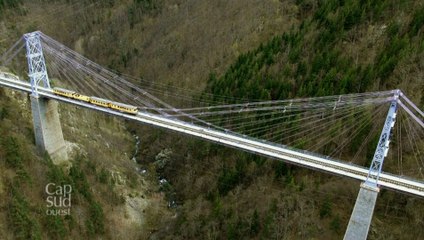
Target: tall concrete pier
[47, 128]
[361, 217]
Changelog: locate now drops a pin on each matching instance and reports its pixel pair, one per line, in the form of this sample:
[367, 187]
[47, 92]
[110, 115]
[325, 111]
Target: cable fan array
[342, 126]
[324, 125]
[406, 154]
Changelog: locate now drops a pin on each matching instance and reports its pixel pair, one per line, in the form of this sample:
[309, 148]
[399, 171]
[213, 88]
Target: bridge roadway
[387, 180]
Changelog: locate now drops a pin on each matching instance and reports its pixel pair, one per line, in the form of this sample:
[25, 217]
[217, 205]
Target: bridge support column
[360, 219]
[47, 128]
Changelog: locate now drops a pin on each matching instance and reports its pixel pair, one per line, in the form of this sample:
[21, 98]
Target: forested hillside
[342, 47]
[106, 188]
[231, 50]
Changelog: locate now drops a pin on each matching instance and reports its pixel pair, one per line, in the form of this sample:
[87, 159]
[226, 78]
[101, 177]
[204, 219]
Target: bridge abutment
[361, 217]
[47, 128]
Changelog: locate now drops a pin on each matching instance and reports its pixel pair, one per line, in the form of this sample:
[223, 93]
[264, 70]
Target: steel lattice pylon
[383, 144]
[37, 70]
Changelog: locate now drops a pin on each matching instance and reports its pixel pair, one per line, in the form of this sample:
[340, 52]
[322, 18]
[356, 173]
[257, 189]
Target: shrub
[103, 176]
[326, 208]
[24, 227]
[335, 224]
[417, 22]
[255, 224]
[97, 217]
[13, 152]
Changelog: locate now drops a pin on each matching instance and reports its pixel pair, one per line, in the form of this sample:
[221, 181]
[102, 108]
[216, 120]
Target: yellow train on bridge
[96, 101]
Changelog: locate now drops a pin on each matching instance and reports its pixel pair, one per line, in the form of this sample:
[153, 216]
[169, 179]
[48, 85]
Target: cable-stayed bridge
[324, 127]
[284, 153]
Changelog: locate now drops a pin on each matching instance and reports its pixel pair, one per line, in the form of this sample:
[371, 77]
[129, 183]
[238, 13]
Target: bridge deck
[263, 148]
